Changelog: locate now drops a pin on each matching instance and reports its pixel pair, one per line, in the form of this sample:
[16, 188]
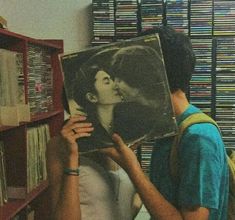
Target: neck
[142, 100]
[112, 165]
[105, 116]
[103, 160]
[179, 101]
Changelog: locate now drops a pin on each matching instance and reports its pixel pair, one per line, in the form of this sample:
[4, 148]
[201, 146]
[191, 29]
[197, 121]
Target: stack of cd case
[103, 21]
[151, 12]
[126, 19]
[177, 15]
[225, 89]
[201, 82]
[201, 17]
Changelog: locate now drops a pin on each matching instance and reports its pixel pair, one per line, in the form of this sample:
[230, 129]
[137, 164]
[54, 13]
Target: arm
[157, 205]
[64, 189]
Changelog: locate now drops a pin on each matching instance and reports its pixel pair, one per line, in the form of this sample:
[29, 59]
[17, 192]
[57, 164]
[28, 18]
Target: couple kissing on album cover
[122, 88]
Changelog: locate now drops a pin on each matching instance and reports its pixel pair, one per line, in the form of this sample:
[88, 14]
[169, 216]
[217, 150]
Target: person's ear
[91, 97]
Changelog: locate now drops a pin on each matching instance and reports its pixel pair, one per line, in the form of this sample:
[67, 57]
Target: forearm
[68, 206]
[65, 188]
[153, 200]
[156, 204]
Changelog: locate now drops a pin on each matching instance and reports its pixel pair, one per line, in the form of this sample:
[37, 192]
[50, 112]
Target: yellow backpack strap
[195, 118]
[231, 199]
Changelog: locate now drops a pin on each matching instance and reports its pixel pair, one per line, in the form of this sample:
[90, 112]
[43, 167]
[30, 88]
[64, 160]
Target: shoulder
[55, 142]
[204, 132]
[202, 139]
[56, 149]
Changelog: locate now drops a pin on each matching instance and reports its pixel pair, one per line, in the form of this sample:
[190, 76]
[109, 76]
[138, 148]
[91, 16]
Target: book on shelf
[122, 88]
[3, 182]
[30, 213]
[36, 151]
[37, 138]
[13, 108]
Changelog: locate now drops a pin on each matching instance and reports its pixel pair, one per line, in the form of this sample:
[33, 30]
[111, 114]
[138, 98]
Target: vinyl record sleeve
[122, 88]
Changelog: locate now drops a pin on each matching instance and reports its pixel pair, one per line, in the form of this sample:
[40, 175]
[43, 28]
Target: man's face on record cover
[127, 92]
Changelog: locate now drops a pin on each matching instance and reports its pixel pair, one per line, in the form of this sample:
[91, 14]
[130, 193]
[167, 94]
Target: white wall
[69, 20]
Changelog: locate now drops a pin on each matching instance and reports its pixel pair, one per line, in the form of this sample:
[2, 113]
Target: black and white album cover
[122, 88]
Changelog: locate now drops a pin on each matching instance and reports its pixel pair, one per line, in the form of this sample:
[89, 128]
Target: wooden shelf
[45, 115]
[12, 207]
[34, 118]
[5, 128]
[8, 36]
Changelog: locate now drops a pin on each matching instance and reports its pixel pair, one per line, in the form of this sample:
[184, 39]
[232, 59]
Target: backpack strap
[195, 118]
[231, 203]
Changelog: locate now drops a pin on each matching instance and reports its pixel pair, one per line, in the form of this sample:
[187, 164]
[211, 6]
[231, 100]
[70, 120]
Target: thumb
[118, 140]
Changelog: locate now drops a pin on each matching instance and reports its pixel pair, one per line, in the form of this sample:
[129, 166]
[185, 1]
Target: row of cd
[120, 19]
[213, 90]
[40, 80]
[225, 89]
[114, 20]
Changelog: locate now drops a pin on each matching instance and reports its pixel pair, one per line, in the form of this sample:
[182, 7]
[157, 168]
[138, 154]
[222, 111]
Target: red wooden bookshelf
[14, 206]
[15, 137]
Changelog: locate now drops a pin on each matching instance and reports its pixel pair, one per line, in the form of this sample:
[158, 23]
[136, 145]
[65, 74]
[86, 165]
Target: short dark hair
[140, 67]
[178, 56]
[65, 101]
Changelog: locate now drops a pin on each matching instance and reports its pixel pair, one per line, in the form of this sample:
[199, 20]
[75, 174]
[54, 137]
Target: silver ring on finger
[74, 131]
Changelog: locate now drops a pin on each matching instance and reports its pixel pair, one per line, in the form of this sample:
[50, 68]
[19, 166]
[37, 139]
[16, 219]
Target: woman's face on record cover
[106, 92]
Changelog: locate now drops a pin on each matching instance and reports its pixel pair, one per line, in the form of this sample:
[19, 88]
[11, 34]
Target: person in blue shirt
[201, 192]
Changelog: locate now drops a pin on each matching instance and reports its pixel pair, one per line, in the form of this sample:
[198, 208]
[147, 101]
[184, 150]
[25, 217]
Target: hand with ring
[75, 128]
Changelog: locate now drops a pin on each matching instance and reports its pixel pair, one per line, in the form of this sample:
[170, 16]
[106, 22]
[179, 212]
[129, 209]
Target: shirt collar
[190, 110]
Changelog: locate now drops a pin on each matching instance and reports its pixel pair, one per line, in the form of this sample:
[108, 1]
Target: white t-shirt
[124, 193]
[104, 195]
